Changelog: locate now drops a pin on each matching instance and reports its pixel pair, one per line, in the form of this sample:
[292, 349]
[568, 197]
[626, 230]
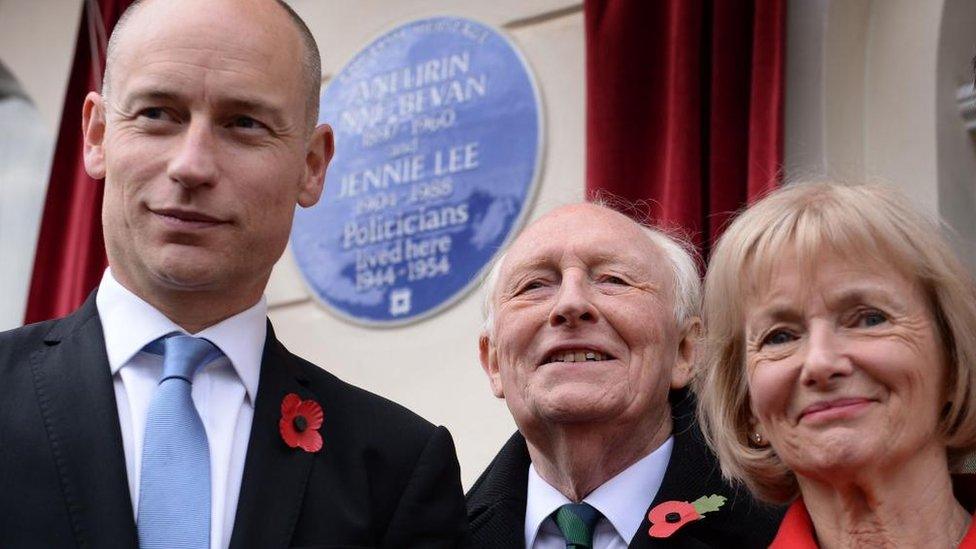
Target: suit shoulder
[503, 481]
[35, 331]
[508, 467]
[17, 343]
[362, 406]
[496, 502]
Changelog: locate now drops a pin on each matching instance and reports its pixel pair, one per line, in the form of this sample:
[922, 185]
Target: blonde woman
[842, 340]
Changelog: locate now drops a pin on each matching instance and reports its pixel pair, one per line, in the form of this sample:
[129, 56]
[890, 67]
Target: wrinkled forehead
[586, 234]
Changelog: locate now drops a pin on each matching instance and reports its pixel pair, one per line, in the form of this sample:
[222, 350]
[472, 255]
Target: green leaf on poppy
[707, 504]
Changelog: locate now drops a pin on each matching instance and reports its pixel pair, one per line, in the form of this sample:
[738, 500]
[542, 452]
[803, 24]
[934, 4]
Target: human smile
[181, 219]
[830, 410]
[576, 355]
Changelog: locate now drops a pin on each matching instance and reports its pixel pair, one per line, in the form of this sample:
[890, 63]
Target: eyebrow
[273, 113]
[518, 271]
[602, 258]
[162, 95]
[860, 294]
[547, 261]
[776, 313]
[838, 300]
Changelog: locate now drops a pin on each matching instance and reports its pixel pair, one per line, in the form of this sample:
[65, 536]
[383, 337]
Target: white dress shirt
[623, 501]
[223, 390]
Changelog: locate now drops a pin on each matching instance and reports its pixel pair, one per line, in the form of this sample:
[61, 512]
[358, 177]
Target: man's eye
[610, 279]
[154, 113]
[777, 337]
[529, 286]
[246, 123]
[871, 318]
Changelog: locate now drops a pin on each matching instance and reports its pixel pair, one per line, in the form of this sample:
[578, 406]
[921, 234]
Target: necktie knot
[576, 522]
[183, 355]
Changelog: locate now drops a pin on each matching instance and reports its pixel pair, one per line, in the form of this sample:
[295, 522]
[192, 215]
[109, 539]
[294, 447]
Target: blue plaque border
[517, 224]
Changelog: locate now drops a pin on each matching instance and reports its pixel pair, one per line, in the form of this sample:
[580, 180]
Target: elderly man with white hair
[590, 336]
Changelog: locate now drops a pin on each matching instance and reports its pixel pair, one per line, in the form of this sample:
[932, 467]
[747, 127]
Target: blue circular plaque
[438, 138]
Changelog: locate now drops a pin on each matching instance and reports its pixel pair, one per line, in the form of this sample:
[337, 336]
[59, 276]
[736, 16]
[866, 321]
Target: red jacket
[796, 531]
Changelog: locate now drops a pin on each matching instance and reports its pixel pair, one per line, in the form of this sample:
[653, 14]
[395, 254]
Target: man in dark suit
[164, 412]
[590, 337]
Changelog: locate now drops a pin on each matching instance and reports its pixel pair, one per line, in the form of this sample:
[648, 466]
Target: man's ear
[685, 359]
[93, 132]
[489, 361]
[321, 147]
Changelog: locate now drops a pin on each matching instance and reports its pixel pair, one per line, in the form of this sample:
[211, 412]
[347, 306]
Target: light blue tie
[174, 489]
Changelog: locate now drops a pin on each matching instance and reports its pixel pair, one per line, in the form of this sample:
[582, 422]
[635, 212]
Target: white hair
[681, 256]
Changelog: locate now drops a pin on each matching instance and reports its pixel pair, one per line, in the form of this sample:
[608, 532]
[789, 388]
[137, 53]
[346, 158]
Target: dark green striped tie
[576, 521]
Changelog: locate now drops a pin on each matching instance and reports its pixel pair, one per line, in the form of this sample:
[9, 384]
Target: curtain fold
[70, 255]
[685, 106]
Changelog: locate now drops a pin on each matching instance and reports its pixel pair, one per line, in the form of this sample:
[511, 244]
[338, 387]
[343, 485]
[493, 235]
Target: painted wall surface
[37, 41]
[955, 147]
[899, 112]
[36, 47]
[871, 95]
[432, 366]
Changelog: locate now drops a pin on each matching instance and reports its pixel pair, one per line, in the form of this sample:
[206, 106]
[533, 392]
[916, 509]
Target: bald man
[165, 412]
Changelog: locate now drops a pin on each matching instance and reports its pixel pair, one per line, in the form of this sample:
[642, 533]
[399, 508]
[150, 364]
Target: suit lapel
[691, 473]
[274, 479]
[496, 502]
[73, 384]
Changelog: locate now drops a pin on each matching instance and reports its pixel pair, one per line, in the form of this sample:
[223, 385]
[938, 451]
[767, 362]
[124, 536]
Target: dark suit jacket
[496, 502]
[384, 477]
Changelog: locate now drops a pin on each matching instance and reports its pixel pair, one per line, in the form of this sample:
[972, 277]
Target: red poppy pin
[667, 517]
[300, 422]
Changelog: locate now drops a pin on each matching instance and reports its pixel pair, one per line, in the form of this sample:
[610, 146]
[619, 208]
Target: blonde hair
[860, 223]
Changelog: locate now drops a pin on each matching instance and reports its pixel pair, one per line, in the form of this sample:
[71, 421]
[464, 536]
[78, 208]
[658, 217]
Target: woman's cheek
[770, 388]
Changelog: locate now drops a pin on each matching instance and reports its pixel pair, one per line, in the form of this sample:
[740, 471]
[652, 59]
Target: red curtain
[70, 254]
[685, 106]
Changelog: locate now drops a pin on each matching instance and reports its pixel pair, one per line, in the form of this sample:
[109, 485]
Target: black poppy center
[300, 423]
[672, 518]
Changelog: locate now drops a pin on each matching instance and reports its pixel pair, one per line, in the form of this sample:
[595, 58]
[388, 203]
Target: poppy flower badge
[669, 516]
[300, 422]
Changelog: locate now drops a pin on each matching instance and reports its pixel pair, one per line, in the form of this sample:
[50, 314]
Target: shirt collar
[623, 499]
[541, 501]
[130, 323]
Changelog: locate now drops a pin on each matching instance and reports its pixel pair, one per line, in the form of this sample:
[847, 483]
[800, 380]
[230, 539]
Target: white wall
[955, 148]
[871, 95]
[37, 41]
[36, 45]
[25, 154]
[432, 366]
[899, 97]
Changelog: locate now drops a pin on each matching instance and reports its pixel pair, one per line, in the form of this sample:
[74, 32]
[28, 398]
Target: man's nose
[574, 302]
[824, 360]
[194, 162]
